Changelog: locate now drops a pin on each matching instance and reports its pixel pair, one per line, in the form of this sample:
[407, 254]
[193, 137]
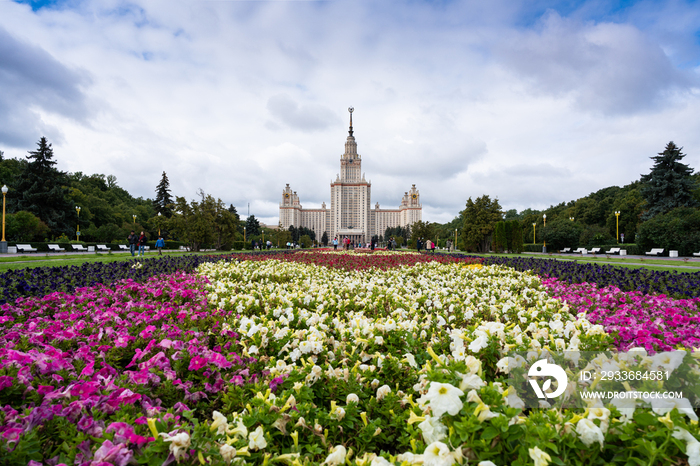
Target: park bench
[697, 254]
[595, 251]
[613, 251]
[566, 250]
[655, 252]
[123, 247]
[55, 248]
[581, 250]
[25, 248]
[79, 247]
[102, 247]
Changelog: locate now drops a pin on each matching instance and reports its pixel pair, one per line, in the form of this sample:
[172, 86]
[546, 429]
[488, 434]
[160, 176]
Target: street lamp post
[534, 230]
[134, 216]
[158, 224]
[454, 248]
[3, 243]
[617, 226]
[244, 234]
[77, 231]
[544, 247]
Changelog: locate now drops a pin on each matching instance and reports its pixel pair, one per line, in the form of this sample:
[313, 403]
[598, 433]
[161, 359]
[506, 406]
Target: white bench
[123, 247]
[696, 254]
[613, 251]
[655, 252]
[581, 250]
[595, 250]
[79, 247]
[566, 250]
[102, 247]
[56, 248]
[25, 248]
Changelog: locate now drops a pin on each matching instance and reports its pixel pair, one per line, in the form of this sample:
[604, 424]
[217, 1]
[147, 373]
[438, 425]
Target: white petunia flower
[442, 398]
[438, 454]
[539, 457]
[337, 455]
[589, 433]
[471, 381]
[383, 391]
[256, 439]
[220, 423]
[480, 343]
[179, 443]
[663, 406]
[227, 452]
[352, 398]
[433, 430]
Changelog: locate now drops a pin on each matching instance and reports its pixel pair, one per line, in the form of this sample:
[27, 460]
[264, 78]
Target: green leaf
[489, 433]
[645, 419]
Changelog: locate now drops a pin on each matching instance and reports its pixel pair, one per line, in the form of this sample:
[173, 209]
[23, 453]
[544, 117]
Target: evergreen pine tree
[42, 191]
[232, 209]
[252, 226]
[163, 199]
[670, 183]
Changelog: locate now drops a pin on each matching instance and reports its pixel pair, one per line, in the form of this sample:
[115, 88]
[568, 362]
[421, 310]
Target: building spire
[351, 109]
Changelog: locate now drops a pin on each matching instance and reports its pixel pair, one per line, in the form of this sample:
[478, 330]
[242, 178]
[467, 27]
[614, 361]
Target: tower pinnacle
[351, 109]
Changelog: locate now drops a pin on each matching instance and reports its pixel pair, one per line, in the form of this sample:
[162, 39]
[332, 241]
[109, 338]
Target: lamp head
[4, 189]
[544, 216]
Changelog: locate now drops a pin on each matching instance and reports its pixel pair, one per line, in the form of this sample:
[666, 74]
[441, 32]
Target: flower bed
[672, 283]
[653, 322]
[288, 362]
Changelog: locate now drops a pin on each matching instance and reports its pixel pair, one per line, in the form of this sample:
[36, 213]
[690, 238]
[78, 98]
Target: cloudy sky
[531, 102]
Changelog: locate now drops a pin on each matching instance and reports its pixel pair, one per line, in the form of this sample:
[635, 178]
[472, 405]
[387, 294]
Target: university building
[351, 213]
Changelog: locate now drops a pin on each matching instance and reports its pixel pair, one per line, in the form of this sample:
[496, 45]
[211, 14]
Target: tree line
[47, 204]
[658, 210]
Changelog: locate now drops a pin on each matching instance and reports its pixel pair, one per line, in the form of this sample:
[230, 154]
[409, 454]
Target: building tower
[350, 196]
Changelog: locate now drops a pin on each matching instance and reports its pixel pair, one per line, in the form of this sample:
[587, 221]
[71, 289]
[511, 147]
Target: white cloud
[460, 98]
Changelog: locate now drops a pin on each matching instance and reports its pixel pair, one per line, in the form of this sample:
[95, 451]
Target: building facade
[351, 214]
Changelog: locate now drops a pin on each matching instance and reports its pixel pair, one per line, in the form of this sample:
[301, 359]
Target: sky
[531, 102]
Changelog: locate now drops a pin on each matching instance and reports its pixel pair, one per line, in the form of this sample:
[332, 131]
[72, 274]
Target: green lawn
[57, 260]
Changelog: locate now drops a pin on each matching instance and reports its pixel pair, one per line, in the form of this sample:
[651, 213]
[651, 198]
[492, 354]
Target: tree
[25, 226]
[669, 185]
[479, 219]
[515, 236]
[562, 233]
[163, 200]
[305, 241]
[421, 229]
[677, 230]
[252, 227]
[203, 223]
[234, 212]
[500, 238]
[324, 238]
[42, 191]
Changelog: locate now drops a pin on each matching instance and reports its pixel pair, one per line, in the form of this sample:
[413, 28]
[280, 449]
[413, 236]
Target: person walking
[418, 244]
[160, 244]
[133, 240]
[335, 243]
[142, 244]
